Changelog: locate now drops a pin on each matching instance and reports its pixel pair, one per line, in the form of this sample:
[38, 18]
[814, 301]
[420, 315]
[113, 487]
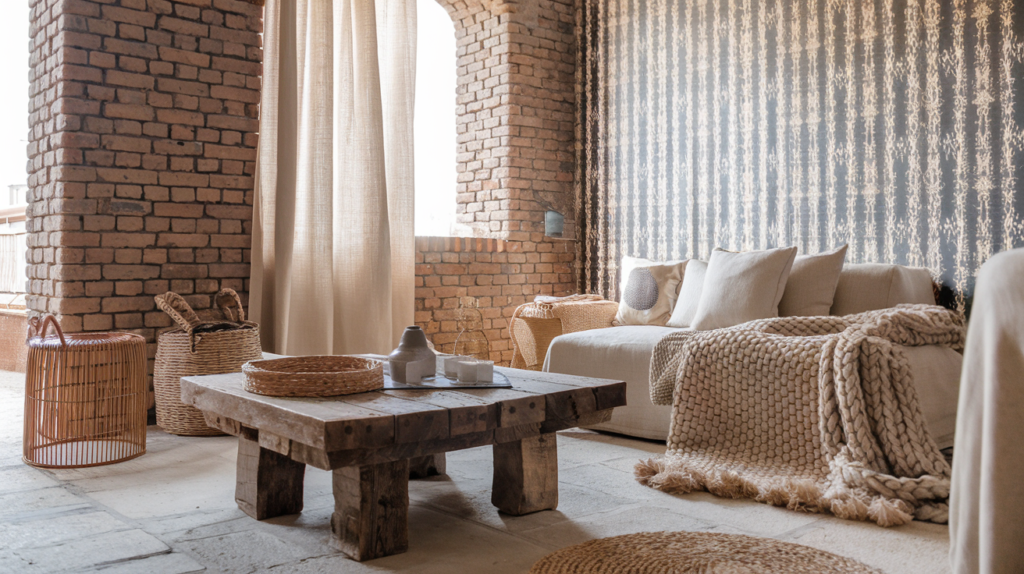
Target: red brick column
[144, 131]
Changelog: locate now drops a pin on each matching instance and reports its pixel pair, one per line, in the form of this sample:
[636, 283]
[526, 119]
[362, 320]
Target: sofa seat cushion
[624, 353]
[620, 353]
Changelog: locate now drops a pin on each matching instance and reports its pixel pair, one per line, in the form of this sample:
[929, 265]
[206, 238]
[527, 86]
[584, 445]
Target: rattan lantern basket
[85, 397]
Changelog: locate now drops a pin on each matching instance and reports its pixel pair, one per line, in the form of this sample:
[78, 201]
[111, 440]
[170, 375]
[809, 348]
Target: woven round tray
[314, 376]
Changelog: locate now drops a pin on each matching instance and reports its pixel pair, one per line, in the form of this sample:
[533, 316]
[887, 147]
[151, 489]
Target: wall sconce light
[554, 223]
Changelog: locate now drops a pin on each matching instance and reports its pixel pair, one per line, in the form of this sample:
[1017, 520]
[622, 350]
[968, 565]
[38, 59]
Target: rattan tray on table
[334, 376]
[313, 376]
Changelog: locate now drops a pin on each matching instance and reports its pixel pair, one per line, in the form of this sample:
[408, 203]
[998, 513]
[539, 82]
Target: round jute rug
[694, 552]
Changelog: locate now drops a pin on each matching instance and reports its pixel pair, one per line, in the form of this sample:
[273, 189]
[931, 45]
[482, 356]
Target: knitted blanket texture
[818, 414]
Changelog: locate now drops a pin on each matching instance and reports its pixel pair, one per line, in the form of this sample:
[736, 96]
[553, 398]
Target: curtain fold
[333, 242]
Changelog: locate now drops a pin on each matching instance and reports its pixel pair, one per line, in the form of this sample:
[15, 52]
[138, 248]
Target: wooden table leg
[371, 510]
[526, 475]
[267, 484]
[429, 465]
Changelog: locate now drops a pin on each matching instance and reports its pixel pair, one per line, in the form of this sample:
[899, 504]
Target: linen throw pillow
[649, 291]
[630, 263]
[812, 284]
[741, 287]
[689, 294]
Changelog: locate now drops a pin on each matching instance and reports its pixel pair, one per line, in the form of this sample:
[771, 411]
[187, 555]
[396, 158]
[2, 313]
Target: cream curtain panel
[333, 244]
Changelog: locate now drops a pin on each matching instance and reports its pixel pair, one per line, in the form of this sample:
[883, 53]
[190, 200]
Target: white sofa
[624, 353]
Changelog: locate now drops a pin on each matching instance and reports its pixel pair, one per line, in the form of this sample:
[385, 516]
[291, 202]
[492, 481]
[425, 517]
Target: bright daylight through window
[435, 120]
[13, 142]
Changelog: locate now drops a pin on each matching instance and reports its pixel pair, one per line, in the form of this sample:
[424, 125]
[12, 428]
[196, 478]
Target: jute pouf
[696, 552]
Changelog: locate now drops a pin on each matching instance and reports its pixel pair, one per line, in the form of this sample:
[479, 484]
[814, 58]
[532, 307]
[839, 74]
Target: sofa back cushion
[811, 287]
[649, 291]
[870, 286]
[689, 294]
[741, 287]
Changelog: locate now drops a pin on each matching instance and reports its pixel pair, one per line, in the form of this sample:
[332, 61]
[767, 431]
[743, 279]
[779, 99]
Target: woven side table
[534, 325]
[85, 397]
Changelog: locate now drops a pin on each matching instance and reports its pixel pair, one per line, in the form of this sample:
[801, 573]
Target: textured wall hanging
[894, 126]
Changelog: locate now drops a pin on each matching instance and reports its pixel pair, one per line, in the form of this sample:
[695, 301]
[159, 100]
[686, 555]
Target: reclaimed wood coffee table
[373, 442]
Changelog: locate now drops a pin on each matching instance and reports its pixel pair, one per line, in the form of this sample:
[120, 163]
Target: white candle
[439, 364]
[485, 371]
[407, 373]
[468, 371]
[451, 366]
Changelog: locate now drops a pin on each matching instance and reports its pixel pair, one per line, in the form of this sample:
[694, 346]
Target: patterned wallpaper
[894, 126]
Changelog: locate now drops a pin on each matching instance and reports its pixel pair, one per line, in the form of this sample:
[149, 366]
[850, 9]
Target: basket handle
[230, 305]
[179, 310]
[37, 328]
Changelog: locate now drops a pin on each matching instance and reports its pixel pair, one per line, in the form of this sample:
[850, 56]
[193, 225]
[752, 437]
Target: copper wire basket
[85, 397]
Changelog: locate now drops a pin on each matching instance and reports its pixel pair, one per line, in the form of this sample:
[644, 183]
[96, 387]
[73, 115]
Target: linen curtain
[333, 240]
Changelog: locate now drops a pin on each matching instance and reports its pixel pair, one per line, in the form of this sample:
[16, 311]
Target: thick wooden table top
[387, 425]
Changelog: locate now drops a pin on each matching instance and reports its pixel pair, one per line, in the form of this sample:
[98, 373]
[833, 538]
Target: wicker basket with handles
[198, 348]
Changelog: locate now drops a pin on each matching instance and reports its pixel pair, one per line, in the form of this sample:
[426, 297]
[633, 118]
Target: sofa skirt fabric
[986, 503]
[624, 353]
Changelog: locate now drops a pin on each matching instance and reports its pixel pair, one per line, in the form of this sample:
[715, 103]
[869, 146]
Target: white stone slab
[915, 548]
[24, 477]
[22, 505]
[174, 563]
[244, 551]
[55, 530]
[615, 523]
[10, 563]
[92, 551]
[471, 500]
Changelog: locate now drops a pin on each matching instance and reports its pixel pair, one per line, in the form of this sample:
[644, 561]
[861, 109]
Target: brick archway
[515, 111]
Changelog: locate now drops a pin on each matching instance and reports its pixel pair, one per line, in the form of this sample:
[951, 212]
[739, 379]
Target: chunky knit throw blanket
[818, 414]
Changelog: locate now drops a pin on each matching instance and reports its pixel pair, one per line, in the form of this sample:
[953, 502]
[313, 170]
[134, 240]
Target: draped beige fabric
[986, 501]
[333, 244]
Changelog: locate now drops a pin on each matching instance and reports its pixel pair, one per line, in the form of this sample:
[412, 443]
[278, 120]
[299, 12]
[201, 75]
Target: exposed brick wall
[497, 275]
[13, 352]
[142, 150]
[515, 114]
[144, 121]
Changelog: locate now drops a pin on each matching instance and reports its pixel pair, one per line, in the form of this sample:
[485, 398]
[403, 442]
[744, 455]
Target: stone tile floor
[172, 511]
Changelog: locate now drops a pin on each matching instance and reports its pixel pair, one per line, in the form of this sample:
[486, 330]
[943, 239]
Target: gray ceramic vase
[413, 360]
